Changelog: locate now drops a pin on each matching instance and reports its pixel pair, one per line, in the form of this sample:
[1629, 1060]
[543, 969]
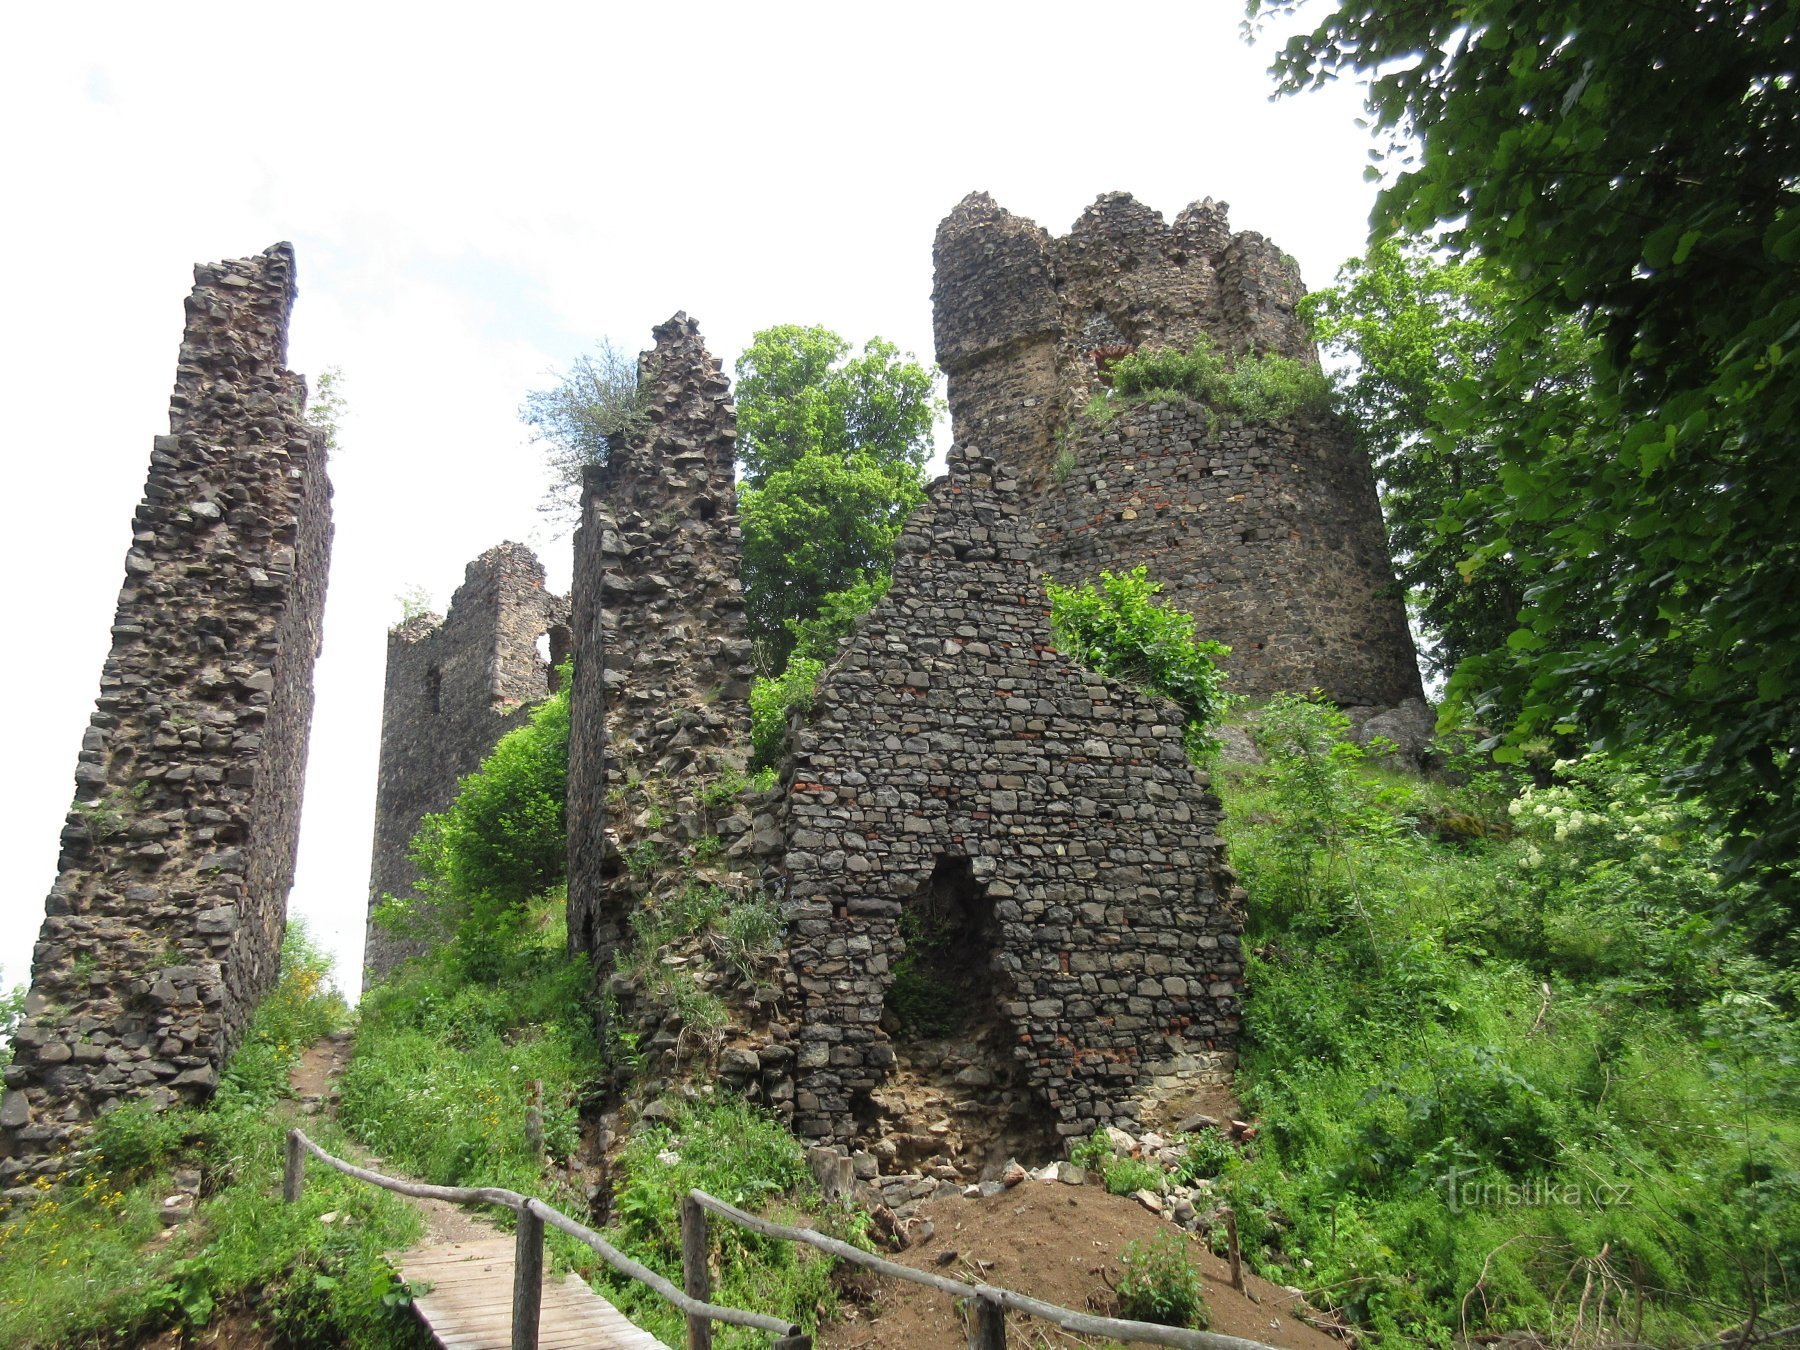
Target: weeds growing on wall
[1120, 628]
[773, 701]
[1254, 388]
[79, 1266]
[1513, 1076]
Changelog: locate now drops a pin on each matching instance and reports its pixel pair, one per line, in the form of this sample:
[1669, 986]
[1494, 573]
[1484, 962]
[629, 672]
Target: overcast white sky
[475, 195]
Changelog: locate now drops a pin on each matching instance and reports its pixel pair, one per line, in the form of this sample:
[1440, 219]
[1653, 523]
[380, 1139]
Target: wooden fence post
[1232, 1249]
[293, 1176]
[528, 1280]
[987, 1324]
[696, 1279]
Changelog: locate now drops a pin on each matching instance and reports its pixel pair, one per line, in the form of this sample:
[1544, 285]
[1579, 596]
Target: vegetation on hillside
[1510, 1070]
[90, 1261]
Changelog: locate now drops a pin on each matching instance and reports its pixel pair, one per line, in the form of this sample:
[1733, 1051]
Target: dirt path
[314, 1082]
[1055, 1242]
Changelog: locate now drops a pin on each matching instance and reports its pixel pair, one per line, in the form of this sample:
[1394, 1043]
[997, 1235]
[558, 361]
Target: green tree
[800, 392]
[833, 453]
[1416, 325]
[1633, 167]
[504, 838]
[594, 407]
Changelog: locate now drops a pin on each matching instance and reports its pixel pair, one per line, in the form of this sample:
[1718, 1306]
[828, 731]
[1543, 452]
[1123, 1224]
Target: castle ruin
[163, 928]
[455, 685]
[1269, 533]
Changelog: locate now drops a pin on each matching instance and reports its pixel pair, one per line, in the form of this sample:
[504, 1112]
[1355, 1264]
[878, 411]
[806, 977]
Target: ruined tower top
[1023, 320]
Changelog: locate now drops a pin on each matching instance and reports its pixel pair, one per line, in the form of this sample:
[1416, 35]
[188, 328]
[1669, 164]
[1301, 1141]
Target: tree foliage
[1118, 627]
[1633, 168]
[1420, 325]
[800, 393]
[504, 839]
[593, 408]
[833, 453]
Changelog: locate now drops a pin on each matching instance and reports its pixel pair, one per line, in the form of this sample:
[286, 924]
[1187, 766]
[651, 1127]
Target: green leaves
[833, 453]
[1626, 173]
[1120, 628]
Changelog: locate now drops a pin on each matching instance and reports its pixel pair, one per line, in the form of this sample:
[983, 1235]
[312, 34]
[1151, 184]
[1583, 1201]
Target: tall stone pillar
[163, 929]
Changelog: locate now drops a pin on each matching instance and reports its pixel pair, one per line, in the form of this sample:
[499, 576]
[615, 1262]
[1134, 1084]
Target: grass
[446, 1051]
[80, 1266]
[1495, 1073]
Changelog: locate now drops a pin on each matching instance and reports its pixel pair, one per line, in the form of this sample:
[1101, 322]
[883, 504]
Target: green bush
[741, 1155]
[504, 838]
[443, 1065]
[1485, 1062]
[1255, 388]
[1161, 1285]
[1128, 1176]
[1120, 628]
[773, 700]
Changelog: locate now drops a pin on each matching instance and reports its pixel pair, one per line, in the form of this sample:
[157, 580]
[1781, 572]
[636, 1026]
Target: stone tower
[455, 686]
[163, 929]
[662, 662]
[1270, 534]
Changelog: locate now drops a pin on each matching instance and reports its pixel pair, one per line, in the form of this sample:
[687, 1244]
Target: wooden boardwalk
[470, 1303]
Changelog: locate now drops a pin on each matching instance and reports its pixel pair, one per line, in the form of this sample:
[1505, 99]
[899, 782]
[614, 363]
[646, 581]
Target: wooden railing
[528, 1265]
[987, 1305]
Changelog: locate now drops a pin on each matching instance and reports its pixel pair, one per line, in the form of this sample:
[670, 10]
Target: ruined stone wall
[1268, 533]
[163, 928]
[951, 741]
[1290, 566]
[662, 663]
[455, 686]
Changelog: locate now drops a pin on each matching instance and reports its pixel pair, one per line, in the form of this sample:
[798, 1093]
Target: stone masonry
[662, 663]
[1269, 534]
[163, 929]
[455, 686]
[955, 759]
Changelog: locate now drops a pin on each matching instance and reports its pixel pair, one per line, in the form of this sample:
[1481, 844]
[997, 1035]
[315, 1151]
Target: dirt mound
[1055, 1242]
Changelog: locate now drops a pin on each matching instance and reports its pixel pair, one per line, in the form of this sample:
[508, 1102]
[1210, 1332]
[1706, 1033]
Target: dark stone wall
[455, 686]
[951, 735]
[163, 928]
[1272, 534]
[662, 663]
[1269, 534]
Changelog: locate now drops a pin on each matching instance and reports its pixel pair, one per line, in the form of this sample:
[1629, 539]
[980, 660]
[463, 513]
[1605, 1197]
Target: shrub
[1161, 1285]
[773, 701]
[1120, 628]
[1256, 388]
[736, 1152]
[504, 838]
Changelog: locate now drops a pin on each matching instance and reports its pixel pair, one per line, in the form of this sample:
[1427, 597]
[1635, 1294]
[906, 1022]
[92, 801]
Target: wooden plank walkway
[470, 1303]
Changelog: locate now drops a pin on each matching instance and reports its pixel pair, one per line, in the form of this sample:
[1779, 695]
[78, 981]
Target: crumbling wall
[950, 739]
[662, 663]
[1271, 535]
[455, 686]
[163, 929]
[1267, 533]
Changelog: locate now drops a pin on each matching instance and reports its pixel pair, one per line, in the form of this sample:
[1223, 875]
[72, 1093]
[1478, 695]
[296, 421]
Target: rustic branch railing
[528, 1268]
[987, 1304]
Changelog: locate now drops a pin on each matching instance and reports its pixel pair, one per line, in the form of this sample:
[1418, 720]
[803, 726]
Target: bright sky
[475, 196]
